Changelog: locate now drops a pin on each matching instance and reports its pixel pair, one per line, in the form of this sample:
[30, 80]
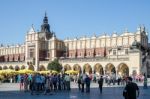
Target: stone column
[26, 54]
[36, 54]
[53, 48]
[92, 70]
[104, 70]
[82, 70]
[116, 69]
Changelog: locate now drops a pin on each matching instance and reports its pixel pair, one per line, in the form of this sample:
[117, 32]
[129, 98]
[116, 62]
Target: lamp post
[145, 82]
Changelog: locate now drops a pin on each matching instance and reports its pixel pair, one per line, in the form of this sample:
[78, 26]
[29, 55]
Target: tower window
[114, 52]
[31, 53]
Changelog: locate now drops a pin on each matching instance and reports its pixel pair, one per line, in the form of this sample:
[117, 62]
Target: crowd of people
[52, 82]
[48, 83]
[37, 83]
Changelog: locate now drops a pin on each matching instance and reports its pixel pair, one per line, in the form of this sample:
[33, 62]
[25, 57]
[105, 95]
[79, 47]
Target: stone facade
[116, 54]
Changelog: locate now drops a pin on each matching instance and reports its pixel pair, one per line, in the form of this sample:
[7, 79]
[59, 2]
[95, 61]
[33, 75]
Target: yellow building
[124, 54]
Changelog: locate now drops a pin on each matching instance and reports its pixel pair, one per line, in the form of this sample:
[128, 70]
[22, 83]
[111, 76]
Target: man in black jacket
[87, 82]
[131, 90]
[100, 82]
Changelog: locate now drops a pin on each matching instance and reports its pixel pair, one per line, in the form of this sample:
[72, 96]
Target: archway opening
[123, 70]
[67, 67]
[98, 69]
[76, 67]
[11, 67]
[110, 69]
[42, 68]
[17, 68]
[5, 67]
[23, 67]
[31, 67]
[87, 69]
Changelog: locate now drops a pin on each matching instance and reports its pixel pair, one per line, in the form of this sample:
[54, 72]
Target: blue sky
[71, 18]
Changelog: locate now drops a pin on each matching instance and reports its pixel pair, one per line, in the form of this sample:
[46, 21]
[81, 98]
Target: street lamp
[145, 82]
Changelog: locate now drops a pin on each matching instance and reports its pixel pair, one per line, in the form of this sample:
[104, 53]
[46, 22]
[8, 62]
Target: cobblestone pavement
[11, 91]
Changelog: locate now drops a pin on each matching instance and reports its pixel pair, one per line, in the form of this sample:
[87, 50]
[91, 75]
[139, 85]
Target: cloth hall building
[123, 54]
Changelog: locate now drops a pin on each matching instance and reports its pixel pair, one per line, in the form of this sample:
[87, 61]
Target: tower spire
[45, 14]
[45, 27]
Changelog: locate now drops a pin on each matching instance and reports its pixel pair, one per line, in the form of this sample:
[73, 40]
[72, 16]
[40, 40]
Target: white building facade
[124, 54]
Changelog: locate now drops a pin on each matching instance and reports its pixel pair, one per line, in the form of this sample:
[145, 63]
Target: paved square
[11, 91]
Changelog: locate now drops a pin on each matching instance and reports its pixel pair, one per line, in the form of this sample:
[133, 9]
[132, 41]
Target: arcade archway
[77, 67]
[98, 69]
[87, 69]
[11, 67]
[23, 67]
[42, 68]
[123, 70]
[110, 69]
[31, 67]
[67, 67]
[17, 68]
[5, 67]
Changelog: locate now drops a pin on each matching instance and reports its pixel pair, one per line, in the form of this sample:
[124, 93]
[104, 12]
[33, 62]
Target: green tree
[54, 65]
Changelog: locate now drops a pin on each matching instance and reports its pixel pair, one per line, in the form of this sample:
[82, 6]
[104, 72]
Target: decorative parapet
[13, 63]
